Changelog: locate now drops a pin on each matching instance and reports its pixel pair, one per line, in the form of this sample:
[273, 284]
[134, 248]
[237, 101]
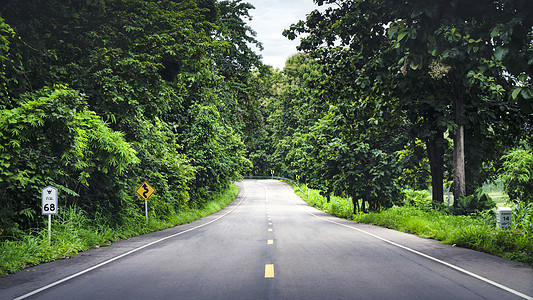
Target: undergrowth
[72, 232]
[476, 232]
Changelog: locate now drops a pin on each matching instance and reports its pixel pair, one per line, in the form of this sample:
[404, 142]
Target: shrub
[516, 173]
[477, 203]
[523, 218]
[52, 138]
[421, 199]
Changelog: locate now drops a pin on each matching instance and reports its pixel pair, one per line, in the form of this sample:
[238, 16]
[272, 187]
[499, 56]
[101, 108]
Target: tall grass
[337, 206]
[72, 232]
[474, 232]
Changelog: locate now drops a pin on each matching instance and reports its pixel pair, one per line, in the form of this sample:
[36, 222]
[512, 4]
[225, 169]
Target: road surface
[269, 244]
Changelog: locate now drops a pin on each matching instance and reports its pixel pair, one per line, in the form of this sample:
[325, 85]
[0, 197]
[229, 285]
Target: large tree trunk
[435, 147]
[355, 202]
[459, 176]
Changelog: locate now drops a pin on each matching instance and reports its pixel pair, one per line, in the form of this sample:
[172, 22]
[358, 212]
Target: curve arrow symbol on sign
[146, 190]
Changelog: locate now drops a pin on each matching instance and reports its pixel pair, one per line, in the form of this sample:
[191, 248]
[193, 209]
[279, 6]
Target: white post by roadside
[49, 206]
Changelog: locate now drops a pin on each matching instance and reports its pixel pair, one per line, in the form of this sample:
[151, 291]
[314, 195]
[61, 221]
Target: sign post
[49, 206]
[145, 191]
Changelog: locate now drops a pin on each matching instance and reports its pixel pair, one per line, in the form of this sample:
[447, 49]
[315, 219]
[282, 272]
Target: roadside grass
[476, 232]
[72, 232]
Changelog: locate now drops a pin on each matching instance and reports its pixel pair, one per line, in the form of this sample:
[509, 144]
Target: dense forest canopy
[98, 96]
[454, 75]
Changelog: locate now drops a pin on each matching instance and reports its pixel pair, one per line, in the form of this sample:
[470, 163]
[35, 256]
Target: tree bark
[435, 148]
[459, 176]
[355, 202]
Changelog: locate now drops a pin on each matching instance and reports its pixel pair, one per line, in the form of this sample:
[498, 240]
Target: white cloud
[270, 18]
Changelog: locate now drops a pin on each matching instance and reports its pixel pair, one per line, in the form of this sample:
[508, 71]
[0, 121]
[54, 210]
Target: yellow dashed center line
[270, 229]
[270, 242]
[269, 271]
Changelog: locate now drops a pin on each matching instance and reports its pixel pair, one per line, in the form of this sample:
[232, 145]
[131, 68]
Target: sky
[269, 19]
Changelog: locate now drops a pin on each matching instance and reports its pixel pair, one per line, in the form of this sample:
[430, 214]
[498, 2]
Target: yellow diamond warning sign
[145, 190]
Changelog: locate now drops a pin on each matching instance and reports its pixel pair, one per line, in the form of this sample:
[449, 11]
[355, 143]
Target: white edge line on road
[501, 286]
[266, 191]
[125, 254]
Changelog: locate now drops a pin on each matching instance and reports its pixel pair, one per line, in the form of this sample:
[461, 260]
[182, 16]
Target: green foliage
[421, 63]
[52, 138]
[216, 151]
[336, 206]
[166, 169]
[6, 33]
[415, 172]
[474, 204]
[523, 218]
[419, 199]
[344, 155]
[517, 175]
[145, 68]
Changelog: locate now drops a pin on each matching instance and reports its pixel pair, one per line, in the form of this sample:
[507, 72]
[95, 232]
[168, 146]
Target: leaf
[494, 32]
[500, 53]
[515, 92]
[413, 34]
[402, 35]
[527, 94]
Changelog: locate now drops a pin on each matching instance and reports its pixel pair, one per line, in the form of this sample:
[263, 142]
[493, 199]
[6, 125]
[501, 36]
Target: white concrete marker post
[504, 218]
[49, 206]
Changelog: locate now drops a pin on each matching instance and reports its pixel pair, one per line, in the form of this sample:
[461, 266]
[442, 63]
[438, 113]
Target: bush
[477, 203]
[523, 218]
[421, 199]
[52, 138]
[517, 175]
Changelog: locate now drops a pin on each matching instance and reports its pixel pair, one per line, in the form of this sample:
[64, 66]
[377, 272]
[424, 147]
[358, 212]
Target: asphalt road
[269, 244]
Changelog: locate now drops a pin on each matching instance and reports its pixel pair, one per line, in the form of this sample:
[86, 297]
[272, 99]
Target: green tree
[217, 153]
[146, 68]
[517, 175]
[52, 138]
[346, 156]
[236, 62]
[6, 34]
[445, 61]
[294, 106]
